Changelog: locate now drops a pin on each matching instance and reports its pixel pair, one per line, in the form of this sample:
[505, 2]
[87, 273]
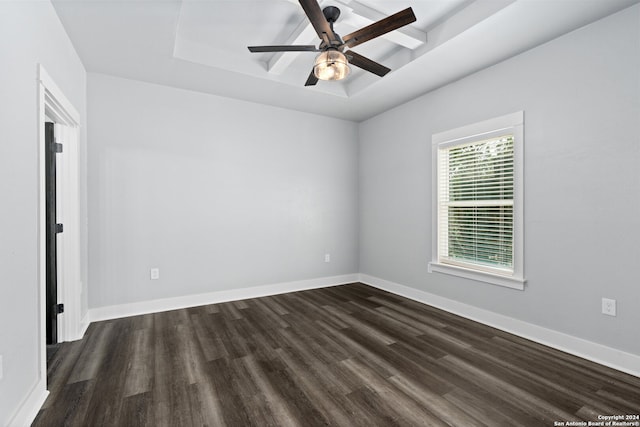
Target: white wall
[581, 95]
[219, 194]
[30, 33]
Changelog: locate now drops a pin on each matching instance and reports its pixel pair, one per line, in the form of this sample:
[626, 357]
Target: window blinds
[475, 204]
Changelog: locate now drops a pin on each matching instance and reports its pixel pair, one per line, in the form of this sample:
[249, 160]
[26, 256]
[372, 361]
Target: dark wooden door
[52, 229]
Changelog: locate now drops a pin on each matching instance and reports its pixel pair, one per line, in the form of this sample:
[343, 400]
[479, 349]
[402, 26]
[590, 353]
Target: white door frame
[52, 103]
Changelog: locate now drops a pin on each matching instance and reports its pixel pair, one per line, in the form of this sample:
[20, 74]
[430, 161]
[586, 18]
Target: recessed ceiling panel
[201, 45]
[217, 33]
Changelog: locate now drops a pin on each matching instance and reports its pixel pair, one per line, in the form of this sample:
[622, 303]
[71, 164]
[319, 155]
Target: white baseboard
[616, 359]
[613, 358]
[166, 304]
[80, 329]
[84, 325]
[28, 410]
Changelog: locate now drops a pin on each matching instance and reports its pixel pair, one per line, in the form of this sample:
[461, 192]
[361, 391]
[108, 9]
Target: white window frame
[512, 124]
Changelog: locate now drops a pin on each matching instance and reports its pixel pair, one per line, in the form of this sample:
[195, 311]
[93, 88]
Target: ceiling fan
[332, 63]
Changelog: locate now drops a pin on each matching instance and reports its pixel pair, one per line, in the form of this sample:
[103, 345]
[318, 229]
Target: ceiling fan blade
[366, 64]
[284, 48]
[379, 28]
[317, 19]
[311, 80]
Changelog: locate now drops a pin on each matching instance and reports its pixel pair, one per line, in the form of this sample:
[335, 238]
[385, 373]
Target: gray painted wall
[31, 33]
[217, 193]
[220, 193]
[581, 95]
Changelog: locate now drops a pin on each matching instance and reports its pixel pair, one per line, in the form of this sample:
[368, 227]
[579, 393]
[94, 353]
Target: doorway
[59, 266]
[53, 227]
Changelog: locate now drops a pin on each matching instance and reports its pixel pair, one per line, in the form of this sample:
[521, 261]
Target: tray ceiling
[202, 45]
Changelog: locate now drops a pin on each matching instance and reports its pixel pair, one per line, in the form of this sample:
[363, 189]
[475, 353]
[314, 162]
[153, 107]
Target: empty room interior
[334, 212]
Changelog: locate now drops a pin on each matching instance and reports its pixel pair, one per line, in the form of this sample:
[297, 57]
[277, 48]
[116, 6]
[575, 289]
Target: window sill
[494, 279]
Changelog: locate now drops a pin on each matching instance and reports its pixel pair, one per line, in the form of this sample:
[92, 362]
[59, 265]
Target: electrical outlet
[155, 273]
[608, 306]
[327, 257]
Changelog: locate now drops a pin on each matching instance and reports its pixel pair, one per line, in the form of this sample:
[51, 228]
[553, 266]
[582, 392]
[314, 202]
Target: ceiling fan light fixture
[331, 65]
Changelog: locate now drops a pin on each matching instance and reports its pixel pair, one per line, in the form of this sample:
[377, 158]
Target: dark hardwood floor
[349, 355]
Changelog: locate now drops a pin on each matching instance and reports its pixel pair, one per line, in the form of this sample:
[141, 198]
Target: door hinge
[57, 147]
[59, 228]
[59, 308]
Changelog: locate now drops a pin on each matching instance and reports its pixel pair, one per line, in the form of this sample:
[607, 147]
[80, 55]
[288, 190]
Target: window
[477, 205]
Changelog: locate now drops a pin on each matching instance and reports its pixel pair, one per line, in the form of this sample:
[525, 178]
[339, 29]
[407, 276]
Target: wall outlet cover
[155, 273]
[608, 306]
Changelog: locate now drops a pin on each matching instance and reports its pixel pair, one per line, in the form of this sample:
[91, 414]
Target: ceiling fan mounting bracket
[331, 13]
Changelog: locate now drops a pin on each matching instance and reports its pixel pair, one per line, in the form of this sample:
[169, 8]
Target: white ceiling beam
[407, 36]
[301, 35]
[471, 15]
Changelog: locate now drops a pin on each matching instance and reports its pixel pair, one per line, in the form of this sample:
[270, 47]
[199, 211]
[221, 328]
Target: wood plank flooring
[349, 355]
